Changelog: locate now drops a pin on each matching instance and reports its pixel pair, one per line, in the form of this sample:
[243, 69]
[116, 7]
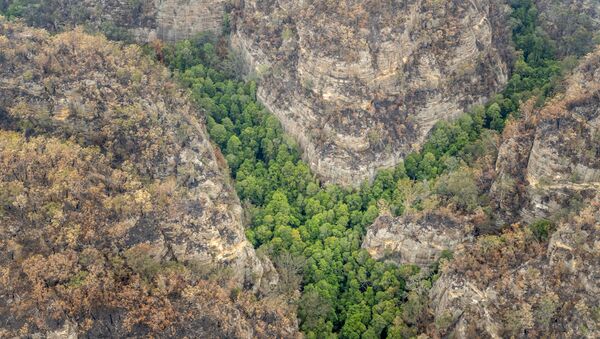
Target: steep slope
[115, 208]
[515, 285]
[360, 83]
[416, 239]
[549, 161]
[521, 283]
[141, 20]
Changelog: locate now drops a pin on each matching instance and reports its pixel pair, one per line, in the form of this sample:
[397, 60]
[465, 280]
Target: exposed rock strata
[519, 284]
[525, 289]
[415, 239]
[549, 162]
[360, 83]
[143, 20]
[173, 20]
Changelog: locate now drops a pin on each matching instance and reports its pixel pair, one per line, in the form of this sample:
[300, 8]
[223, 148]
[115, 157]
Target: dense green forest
[314, 233]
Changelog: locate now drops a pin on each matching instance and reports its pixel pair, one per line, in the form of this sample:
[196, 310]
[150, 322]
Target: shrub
[542, 229]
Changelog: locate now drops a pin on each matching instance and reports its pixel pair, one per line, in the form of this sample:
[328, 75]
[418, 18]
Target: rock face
[514, 286]
[123, 108]
[551, 162]
[169, 20]
[360, 83]
[178, 19]
[415, 239]
[142, 20]
[519, 284]
[114, 205]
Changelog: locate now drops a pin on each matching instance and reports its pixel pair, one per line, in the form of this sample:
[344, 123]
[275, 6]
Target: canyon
[121, 217]
[357, 84]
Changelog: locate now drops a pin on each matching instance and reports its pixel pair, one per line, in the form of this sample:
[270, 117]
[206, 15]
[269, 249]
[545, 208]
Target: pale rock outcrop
[564, 161]
[550, 162]
[527, 290]
[142, 20]
[416, 239]
[360, 83]
[519, 284]
[182, 19]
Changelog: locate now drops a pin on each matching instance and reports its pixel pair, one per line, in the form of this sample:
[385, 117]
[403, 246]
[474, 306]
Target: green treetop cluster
[312, 233]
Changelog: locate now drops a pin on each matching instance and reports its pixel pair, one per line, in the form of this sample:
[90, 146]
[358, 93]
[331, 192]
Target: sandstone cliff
[516, 286]
[520, 283]
[142, 20]
[549, 161]
[114, 206]
[416, 239]
[360, 83]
